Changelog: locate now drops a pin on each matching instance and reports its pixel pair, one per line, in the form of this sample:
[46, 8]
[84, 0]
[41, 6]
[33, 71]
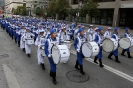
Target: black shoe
[123, 51]
[101, 66]
[81, 70]
[28, 55]
[54, 81]
[76, 66]
[43, 66]
[100, 63]
[117, 60]
[54, 78]
[110, 56]
[95, 60]
[18, 43]
[23, 49]
[129, 56]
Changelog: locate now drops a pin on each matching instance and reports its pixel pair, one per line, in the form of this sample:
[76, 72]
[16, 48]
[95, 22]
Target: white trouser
[90, 38]
[39, 56]
[22, 44]
[27, 48]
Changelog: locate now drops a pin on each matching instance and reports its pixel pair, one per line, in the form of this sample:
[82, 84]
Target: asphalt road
[30, 75]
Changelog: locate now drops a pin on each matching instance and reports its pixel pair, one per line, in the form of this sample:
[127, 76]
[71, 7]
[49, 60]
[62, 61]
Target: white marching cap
[96, 28]
[41, 31]
[109, 28]
[91, 25]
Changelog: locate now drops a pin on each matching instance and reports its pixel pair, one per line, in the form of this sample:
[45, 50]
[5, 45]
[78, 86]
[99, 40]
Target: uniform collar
[53, 39]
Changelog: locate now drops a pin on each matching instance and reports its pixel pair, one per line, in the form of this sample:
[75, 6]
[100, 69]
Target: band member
[115, 52]
[22, 39]
[95, 33]
[48, 46]
[71, 31]
[40, 43]
[83, 27]
[63, 35]
[107, 33]
[76, 34]
[28, 35]
[77, 44]
[99, 37]
[126, 35]
[90, 33]
[21, 32]
[48, 32]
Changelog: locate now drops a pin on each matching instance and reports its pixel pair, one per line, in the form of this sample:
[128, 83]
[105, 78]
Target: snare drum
[42, 51]
[126, 42]
[90, 49]
[30, 41]
[60, 53]
[109, 45]
[67, 43]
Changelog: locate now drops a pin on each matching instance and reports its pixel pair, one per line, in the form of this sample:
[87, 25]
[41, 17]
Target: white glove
[78, 50]
[101, 44]
[49, 55]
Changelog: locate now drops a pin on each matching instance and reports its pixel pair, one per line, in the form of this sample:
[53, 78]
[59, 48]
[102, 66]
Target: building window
[75, 1]
[105, 17]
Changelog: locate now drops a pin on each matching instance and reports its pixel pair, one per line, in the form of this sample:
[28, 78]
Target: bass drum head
[124, 43]
[64, 52]
[108, 45]
[95, 48]
[55, 54]
[87, 50]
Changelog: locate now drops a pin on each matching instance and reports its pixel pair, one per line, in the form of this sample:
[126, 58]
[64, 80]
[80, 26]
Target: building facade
[112, 13]
[31, 5]
[10, 4]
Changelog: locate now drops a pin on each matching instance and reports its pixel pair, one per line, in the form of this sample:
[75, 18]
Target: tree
[20, 10]
[89, 7]
[62, 7]
[73, 12]
[51, 9]
[39, 11]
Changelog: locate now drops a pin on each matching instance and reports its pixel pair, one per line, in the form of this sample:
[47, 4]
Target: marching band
[52, 37]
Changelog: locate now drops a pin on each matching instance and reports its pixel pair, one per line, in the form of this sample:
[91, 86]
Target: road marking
[117, 72]
[10, 77]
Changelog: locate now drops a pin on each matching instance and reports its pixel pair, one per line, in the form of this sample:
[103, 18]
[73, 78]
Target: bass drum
[60, 54]
[67, 43]
[126, 42]
[30, 41]
[90, 49]
[109, 45]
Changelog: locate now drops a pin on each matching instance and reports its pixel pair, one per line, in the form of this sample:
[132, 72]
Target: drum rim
[113, 46]
[59, 55]
[126, 38]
